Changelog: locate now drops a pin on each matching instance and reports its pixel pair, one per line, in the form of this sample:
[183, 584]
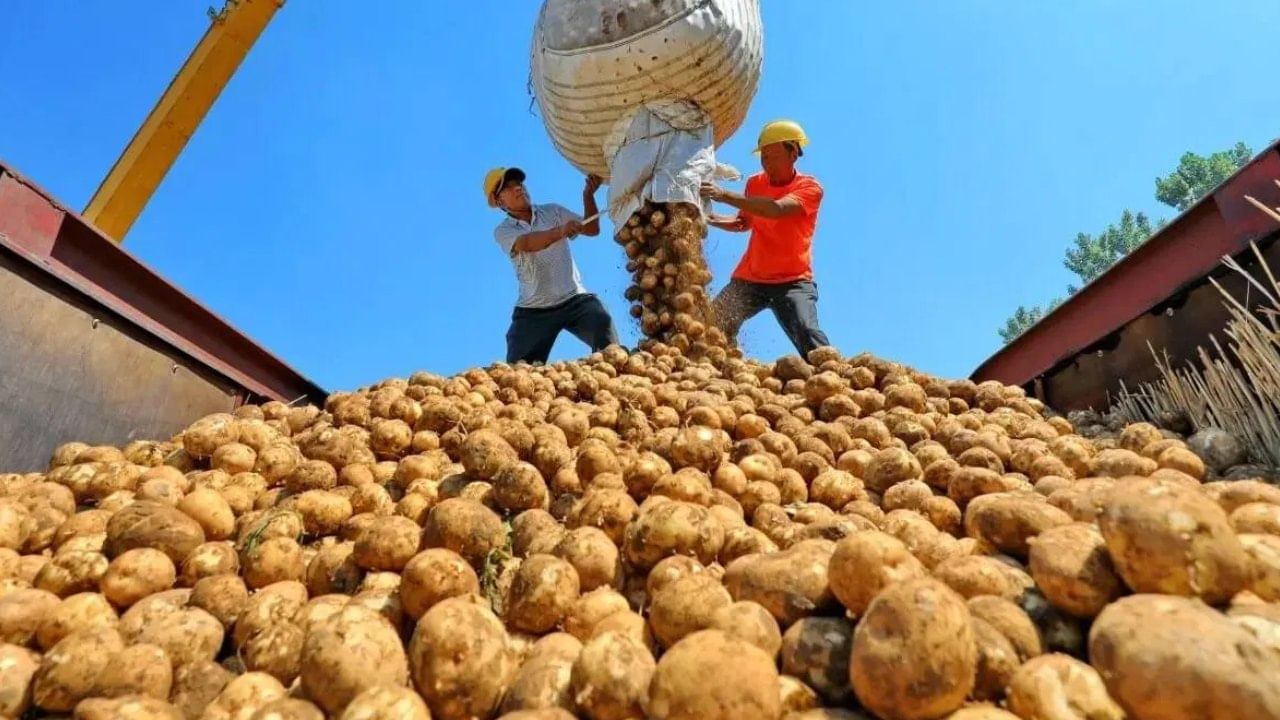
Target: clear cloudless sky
[330, 205]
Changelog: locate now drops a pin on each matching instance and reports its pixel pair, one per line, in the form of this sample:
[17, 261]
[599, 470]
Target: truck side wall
[70, 370]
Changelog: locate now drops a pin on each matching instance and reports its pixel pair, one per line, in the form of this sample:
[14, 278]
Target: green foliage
[1197, 175]
[1091, 255]
[1023, 318]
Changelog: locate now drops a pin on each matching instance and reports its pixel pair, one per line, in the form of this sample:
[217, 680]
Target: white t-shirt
[547, 277]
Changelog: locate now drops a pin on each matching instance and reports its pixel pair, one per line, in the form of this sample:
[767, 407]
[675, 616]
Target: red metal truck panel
[40, 230]
[1181, 254]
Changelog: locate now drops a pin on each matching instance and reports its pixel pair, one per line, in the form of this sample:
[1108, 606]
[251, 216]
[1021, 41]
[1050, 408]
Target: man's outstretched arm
[589, 207]
[758, 206]
[737, 223]
[543, 239]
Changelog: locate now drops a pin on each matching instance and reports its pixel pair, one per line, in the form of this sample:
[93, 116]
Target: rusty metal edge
[1043, 335]
[284, 384]
[87, 291]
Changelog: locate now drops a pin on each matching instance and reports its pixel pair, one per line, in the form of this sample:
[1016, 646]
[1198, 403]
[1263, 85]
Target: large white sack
[662, 151]
[596, 62]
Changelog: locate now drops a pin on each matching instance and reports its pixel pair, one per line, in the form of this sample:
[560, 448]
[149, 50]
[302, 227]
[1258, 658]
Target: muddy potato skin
[485, 453]
[791, 584]
[750, 622]
[196, 685]
[388, 544]
[71, 572]
[209, 433]
[135, 574]
[276, 650]
[244, 696]
[1006, 521]
[796, 696]
[318, 610]
[150, 524]
[432, 576]
[387, 702]
[209, 509]
[334, 570]
[137, 670]
[592, 554]
[611, 677]
[19, 668]
[1264, 554]
[519, 487]
[686, 606]
[1170, 540]
[668, 570]
[629, 623]
[70, 669]
[1256, 518]
[741, 541]
[460, 660]
[15, 527]
[22, 611]
[151, 610]
[545, 679]
[544, 714]
[672, 528]
[29, 567]
[592, 608]
[817, 651]
[129, 707]
[207, 560]
[982, 712]
[77, 612]
[1139, 646]
[324, 512]
[288, 709]
[544, 589]
[745, 686]
[997, 660]
[1231, 494]
[534, 531]
[274, 560]
[865, 563]
[1011, 621]
[222, 596]
[914, 652]
[349, 652]
[464, 526]
[1118, 463]
[1071, 566]
[1059, 687]
[186, 636]
[276, 603]
[974, 575]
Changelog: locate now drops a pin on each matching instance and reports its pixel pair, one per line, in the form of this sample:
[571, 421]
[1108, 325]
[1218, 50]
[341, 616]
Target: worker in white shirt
[552, 296]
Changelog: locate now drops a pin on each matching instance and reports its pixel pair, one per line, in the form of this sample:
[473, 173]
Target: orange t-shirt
[781, 249]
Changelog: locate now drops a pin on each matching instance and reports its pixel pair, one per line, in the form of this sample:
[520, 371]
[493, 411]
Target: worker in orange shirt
[780, 208]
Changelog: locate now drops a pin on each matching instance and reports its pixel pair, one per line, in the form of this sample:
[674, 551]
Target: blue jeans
[534, 330]
[794, 304]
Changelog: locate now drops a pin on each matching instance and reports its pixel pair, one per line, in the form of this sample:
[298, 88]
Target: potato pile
[642, 536]
[663, 244]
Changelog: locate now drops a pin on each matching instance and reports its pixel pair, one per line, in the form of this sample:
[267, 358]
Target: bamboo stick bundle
[1235, 387]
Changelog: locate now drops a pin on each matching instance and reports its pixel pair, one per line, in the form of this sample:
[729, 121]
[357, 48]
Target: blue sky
[329, 206]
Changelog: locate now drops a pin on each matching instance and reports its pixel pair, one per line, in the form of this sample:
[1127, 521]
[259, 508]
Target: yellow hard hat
[495, 179]
[781, 131]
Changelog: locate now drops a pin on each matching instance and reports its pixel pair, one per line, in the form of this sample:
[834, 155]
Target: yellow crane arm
[138, 172]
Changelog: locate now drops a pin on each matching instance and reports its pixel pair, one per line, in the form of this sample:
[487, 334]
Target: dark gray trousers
[534, 330]
[794, 304]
